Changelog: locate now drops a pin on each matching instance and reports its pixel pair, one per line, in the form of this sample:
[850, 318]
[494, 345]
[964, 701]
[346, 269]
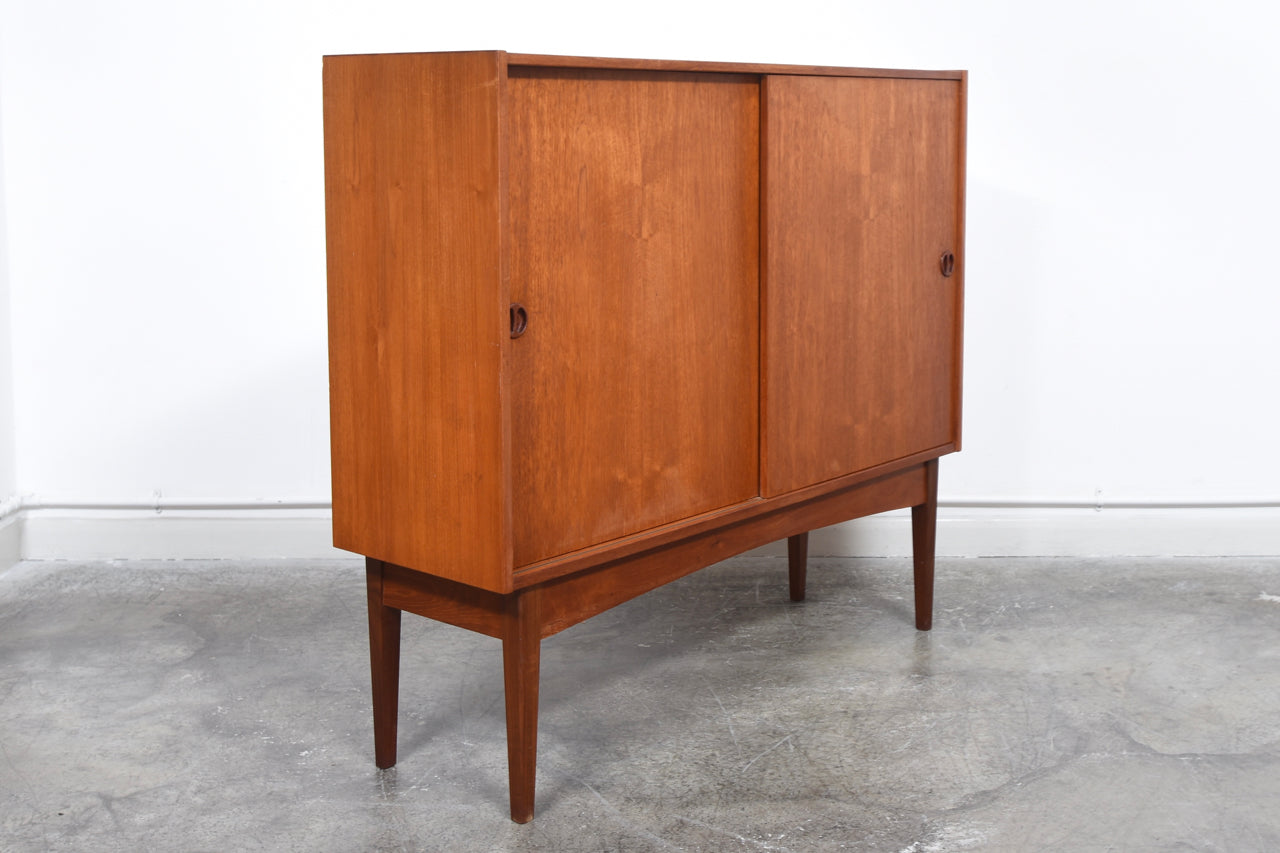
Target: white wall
[10, 546]
[163, 191]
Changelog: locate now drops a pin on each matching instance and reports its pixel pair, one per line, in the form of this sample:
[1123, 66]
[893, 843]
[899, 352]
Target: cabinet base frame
[521, 619]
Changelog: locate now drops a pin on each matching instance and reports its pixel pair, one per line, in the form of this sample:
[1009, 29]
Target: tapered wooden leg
[924, 534]
[384, 659]
[521, 646]
[797, 560]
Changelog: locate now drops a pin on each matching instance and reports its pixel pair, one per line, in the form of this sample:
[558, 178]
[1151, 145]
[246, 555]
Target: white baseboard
[1030, 531]
[10, 540]
[85, 533]
[108, 534]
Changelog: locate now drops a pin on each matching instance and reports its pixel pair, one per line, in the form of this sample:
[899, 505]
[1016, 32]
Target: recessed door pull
[519, 319]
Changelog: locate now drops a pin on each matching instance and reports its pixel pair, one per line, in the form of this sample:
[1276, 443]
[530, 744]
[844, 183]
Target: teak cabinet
[595, 324]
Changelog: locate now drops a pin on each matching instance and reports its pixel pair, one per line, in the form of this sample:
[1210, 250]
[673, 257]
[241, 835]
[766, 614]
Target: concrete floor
[1058, 704]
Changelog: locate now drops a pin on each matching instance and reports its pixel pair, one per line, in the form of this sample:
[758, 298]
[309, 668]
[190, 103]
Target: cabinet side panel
[634, 210]
[861, 181]
[962, 133]
[417, 311]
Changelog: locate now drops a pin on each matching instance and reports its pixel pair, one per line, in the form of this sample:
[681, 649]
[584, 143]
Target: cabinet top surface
[544, 61]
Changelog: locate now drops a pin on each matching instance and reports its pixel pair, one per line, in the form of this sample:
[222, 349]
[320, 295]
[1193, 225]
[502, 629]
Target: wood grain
[417, 311]
[924, 539]
[569, 600]
[861, 188]
[957, 279]
[747, 511]
[521, 655]
[443, 600]
[384, 659]
[515, 487]
[633, 208]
